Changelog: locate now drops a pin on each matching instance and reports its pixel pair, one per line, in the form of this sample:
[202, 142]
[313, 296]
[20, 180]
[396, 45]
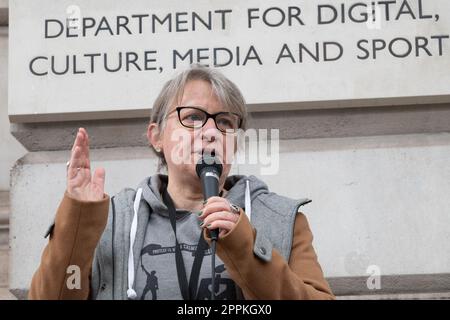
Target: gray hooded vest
[115, 265]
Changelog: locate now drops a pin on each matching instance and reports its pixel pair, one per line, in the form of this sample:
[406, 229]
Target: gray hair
[225, 90]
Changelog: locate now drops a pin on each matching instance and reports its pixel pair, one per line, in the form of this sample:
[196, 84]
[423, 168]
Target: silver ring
[234, 208]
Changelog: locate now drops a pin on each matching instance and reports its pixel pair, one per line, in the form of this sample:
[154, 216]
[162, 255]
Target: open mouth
[209, 152]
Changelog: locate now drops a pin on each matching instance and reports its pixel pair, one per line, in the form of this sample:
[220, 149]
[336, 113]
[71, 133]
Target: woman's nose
[210, 131]
[210, 124]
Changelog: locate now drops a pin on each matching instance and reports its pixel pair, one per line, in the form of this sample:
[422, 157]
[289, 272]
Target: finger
[222, 205]
[98, 181]
[75, 162]
[85, 134]
[78, 139]
[86, 143]
[223, 233]
[85, 148]
[221, 224]
[99, 177]
[79, 142]
[221, 215]
[213, 200]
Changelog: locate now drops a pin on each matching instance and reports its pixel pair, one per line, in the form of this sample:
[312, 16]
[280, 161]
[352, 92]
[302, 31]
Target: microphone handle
[211, 189]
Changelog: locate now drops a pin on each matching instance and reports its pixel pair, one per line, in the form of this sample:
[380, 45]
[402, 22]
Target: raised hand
[81, 185]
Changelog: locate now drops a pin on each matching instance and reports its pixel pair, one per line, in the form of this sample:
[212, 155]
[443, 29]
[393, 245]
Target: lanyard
[188, 291]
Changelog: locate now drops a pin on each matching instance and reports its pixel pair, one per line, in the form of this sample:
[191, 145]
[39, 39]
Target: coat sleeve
[299, 278]
[70, 250]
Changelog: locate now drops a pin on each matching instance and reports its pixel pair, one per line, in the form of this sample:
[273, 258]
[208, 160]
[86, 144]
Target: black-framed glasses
[194, 118]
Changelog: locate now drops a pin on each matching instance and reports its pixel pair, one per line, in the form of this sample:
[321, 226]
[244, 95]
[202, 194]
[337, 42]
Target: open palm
[81, 184]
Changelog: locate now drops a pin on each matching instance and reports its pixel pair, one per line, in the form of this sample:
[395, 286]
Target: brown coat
[79, 226]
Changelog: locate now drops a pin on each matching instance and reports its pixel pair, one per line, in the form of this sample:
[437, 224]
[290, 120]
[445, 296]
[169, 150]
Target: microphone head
[208, 162]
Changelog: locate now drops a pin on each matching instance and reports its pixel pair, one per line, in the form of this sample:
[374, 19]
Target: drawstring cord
[130, 292]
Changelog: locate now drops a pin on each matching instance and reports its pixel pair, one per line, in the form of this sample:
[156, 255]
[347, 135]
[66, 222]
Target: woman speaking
[154, 242]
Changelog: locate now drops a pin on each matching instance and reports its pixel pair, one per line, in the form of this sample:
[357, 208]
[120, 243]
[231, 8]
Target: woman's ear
[154, 136]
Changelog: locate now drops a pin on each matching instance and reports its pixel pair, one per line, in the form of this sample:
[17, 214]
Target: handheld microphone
[209, 170]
